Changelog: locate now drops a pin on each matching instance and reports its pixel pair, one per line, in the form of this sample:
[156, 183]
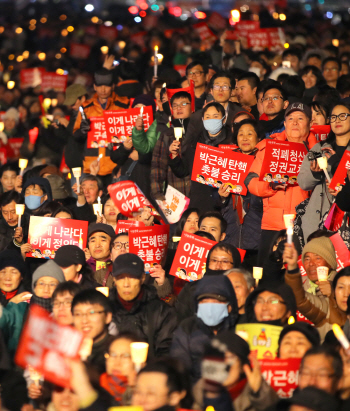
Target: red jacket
[276, 202]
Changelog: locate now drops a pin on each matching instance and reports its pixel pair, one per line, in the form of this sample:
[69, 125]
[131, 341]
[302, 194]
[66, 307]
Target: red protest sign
[139, 38]
[108, 33]
[276, 38]
[129, 199]
[54, 81]
[44, 345]
[13, 147]
[79, 51]
[335, 218]
[228, 147]
[119, 123]
[31, 77]
[191, 256]
[245, 26]
[47, 234]
[231, 35]
[204, 32]
[3, 155]
[321, 132]
[149, 243]
[341, 251]
[123, 226]
[338, 179]
[282, 162]
[214, 167]
[216, 21]
[281, 375]
[190, 89]
[181, 69]
[97, 136]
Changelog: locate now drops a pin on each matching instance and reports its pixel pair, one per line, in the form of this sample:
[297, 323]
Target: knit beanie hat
[48, 269]
[146, 100]
[230, 341]
[323, 247]
[11, 258]
[306, 329]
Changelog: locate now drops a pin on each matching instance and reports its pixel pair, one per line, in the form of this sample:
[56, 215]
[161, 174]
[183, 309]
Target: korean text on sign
[149, 243]
[46, 235]
[191, 255]
[215, 167]
[97, 136]
[282, 162]
[119, 123]
[338, 179]
[44, 346]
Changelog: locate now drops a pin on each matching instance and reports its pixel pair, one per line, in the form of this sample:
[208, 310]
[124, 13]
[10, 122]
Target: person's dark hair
[262, 85]
[224, 74]
[329, 353]
[218, 106]
[282, 77]
[314, 55]
[90, 177]
[328, 59]
[66, 287]
[127, 335]
[294, 86]
[92, 296]
[252, 78]
[48, 208]
[128, 70]
[180, 94]
[228, 248]
[10, 196]
[327, 96]
[63, 209]
[345, 272]
[214, 214]
[33, 172]
[253, 123]
[292, 51]
[319, 233]
[242, 113]
[315, 71]
[236, 72]
[194, 64]
[181, 223]
[8, 167]
[343, 84]
[272, 84]
[331, 138]
[205, 234]
[325, 110]
[264, 64]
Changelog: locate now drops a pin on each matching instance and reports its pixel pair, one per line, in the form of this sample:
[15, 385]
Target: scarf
[269, 125]
[116, 385]
[129, 304]
[214, 141]
[42, 302]
[237, 389]
[10, 294]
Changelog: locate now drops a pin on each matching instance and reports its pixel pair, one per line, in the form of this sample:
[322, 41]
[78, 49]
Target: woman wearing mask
[215, 132]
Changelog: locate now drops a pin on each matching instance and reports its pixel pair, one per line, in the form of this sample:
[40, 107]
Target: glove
[84, 126]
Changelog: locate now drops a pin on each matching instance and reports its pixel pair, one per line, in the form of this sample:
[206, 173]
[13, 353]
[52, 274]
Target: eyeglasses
[88, 314]
[341, 116]
[269, 301]
[331, 69]
[57, 304]
[183, 105]
[272, 98]
[119, 245]
[220, 262]
[195, 73]
[225, 87]
[318, 375]
[41, 284]
[115, 356]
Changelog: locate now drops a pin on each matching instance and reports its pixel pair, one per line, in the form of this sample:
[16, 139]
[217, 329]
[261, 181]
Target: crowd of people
[242, 98]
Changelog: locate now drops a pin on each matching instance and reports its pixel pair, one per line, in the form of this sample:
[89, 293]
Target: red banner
[54, 81]
[13, 147]
[97, 136]
[119, 123]
[79, 51]
[338, 179]
[44, 345]
[31, 77]
[191, 256]
[245, 26]
[341, 251]
[217, 22]
[257, 38]
[204, 32]
[282, 162]
[214, 167]
[123, 226]
[281, 375]
[321, 132]
[129, 199]
[150, 244]
[108, 33]
[46, 235]
[171, 91]
[181, 69]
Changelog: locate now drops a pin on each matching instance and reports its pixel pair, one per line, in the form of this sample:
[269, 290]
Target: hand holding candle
[19, 212]
[22, 164]
[257, 274]
[139, 352]
[322, 163]
[155, 74]
[86, 348]
[322, 273]
[178, 133]
[341, 337]
[289, 223]
[77, 174]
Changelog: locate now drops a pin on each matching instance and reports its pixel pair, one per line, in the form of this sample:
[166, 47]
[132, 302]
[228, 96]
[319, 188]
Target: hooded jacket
[192, 335]
[44, 182]
[283, 290]
[184, 305]
[149, 318]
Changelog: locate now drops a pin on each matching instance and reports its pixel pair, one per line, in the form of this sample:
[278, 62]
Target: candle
[176, 239]
[96, 209]
[341, 337]
[322, 163]
[141, 111]
[322, 273]
[139, 351]
[160, 58]
[77, 174]
[99, 157]
[99, 204]
[257, 274]
[86, 348]
[289, 235]
[35, 376]
[178, 133]
[155, 61]
[291, 320]
[47, 103]
[19, 212]
[69, 176]
[289, 223]
[164, 85]
[103, 290]
[22, 163]
[243, 334]
[2, 126]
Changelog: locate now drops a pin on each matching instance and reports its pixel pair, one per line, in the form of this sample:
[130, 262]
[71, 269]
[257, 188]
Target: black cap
[130, 264]
[298, 106]
[310, 332]
[100, 227]
[68, 255]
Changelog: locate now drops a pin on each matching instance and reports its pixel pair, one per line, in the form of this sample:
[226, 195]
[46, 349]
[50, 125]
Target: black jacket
[150, 318]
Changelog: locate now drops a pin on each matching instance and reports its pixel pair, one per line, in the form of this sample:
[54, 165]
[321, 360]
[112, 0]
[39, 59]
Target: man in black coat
[137, 308]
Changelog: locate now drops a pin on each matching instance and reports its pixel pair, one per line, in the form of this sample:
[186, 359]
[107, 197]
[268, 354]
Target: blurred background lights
[89, 7]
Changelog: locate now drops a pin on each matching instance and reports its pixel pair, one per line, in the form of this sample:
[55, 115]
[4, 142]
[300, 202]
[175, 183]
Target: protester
[243, 283]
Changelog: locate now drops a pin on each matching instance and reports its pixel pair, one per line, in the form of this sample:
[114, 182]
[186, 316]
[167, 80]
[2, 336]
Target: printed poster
[338, 179]
[174, 205]
[97, 135]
